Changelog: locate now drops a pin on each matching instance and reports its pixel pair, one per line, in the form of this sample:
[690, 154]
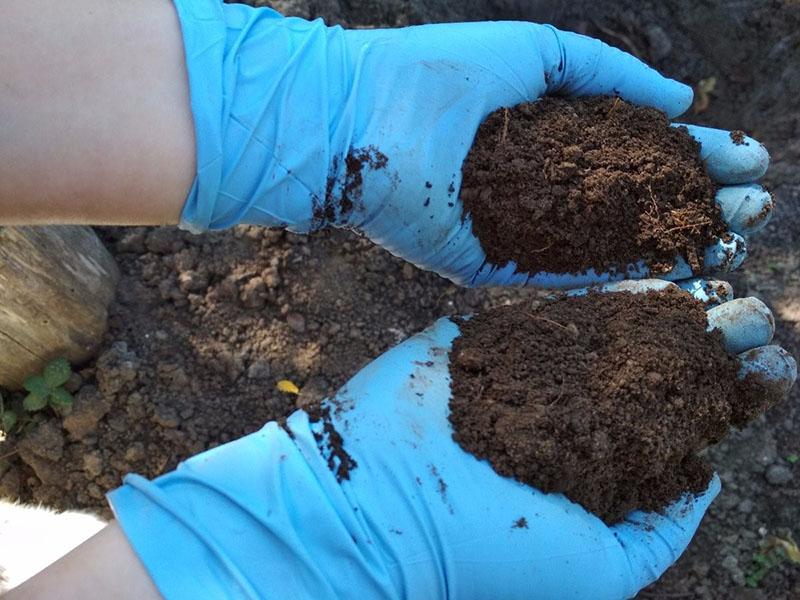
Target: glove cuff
[268, 97]
[260, 517]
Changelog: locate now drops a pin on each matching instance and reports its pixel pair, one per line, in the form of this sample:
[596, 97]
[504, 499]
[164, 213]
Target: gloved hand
[264, 516]
[302, 126]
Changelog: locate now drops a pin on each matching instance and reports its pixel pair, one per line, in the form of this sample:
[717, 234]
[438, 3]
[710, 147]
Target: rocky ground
[203, 326]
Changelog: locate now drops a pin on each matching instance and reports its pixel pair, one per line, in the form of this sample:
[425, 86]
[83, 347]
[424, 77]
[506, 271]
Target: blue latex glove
[264, 516]
[302, 126]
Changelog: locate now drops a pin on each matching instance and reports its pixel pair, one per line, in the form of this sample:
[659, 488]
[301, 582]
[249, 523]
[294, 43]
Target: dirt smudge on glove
[331, 443]
[344, 187]
[564, 185]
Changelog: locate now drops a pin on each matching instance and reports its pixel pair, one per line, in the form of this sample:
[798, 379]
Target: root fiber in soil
[564, 185]
[606, 398]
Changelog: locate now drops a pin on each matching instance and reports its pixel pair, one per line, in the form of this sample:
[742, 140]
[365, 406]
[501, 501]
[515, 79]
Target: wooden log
[56, 283]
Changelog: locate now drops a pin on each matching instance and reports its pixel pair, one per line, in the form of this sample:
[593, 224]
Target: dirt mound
[566, 185]
[606, 398]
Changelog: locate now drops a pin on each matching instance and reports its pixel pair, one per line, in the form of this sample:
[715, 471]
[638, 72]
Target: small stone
[271, 278]
[46, 470]
[46, 441]
[93, 464]
[779, 475]
[132, 242]
[119, 422]
[115, 368]
[253, 294]
[94, 491]
[165, 416]
[193, 281]
[259, 369]
[88, 408]
[135, 452]
[312, 393]
[186, 259]
[654, 378]
[296, 322]
[408, 271]
[74, 383]
[746, 506]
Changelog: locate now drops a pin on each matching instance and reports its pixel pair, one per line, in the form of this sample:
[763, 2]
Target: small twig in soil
[689, 226]
[537, 318]
[560, 395]
[632, 48]
[542, 249]
[506, 121]
[614, 106]
[9, 454]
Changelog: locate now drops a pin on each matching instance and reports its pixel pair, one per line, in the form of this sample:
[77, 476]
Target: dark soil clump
[737, 136]
[563, 186]
[331, 443]
[606, 398]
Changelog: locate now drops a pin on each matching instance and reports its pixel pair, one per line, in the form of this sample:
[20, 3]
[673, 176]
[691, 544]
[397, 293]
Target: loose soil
[565, 185]
[606, 398]
[198, 368]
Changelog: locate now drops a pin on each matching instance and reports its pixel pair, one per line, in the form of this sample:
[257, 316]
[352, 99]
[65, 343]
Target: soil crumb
[738, 137]
[330, 442]
[564, 185]
[606, 398]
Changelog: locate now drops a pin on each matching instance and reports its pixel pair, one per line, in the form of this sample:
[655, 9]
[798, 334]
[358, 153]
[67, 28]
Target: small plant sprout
[46, 389]
[774, 551]
[8, 418]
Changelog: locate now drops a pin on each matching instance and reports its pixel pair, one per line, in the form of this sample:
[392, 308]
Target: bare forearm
[95, 121]
[104, 566]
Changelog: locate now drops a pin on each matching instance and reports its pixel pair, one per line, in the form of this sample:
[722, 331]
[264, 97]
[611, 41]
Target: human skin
[95, 122]
[104, 566]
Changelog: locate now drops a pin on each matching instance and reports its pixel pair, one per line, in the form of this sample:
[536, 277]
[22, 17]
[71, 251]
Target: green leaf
[60, 398]
[8, 420]
[57, 373]
[793, 458]
[36, 385]
[34, 402]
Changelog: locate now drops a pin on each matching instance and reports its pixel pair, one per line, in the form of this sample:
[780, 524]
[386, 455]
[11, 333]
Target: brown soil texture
[564, 185]
[185, 367]
[606, 398]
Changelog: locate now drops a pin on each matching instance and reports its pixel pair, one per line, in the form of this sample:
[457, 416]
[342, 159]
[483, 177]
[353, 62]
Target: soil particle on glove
[606, 398]
[331, 443]
[738, 137]
[564, 185]
[344, 189]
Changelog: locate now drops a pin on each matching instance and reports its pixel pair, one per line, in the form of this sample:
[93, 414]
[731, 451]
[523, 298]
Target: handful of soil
[564, 185]
[606, 398]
